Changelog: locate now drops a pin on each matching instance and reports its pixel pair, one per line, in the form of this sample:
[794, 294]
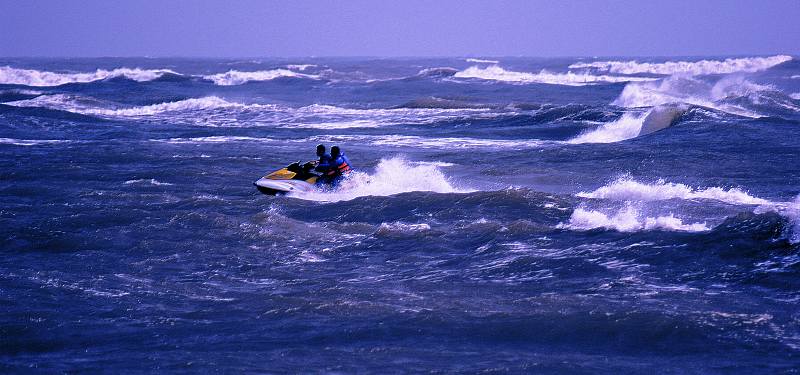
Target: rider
[340, 166]
[324, 163]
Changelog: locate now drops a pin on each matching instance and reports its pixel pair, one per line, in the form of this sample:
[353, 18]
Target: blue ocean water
[572, 215]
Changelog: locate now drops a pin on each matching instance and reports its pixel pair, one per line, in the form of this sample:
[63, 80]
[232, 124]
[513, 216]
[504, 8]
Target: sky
[249, 28]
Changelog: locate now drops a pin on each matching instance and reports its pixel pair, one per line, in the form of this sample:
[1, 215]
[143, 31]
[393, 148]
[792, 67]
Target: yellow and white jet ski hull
[284, 181]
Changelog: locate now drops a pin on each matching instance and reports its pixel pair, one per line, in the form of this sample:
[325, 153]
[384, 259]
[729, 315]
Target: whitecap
[31, 142]
[392, 176]
[626, 127]
[481, 61]
[731, 65]
[236, 77]
[627, 219]
[626, 189]
[684, 89]
[32, 77]
[151, 181]
[496, 73]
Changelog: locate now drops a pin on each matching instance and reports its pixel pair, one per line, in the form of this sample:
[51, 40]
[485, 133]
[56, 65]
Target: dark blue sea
[507, 215]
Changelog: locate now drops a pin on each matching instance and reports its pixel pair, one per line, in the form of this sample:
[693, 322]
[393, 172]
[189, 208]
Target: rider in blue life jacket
[339, 167]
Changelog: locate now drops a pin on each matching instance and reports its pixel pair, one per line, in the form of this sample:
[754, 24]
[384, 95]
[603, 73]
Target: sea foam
[392, 176]
[626, 189]
[626, 127]
[627, 219]
[689, 90]
[732, 65]
[235, 77]
[32, 77]
[496, 73]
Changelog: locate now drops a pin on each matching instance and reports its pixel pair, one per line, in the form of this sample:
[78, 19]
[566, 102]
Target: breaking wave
[30, 142]
[481, 61]
[626, 127]
[731, 65]
[88, 106]
[626, 189]
[438, 142]
[151, 181]
[31, 77]
[300, 67]
[496, 73]
[437, 72]
[235, 77]
[689, 90]
[220, 112]
[392, 176]
[627, 219]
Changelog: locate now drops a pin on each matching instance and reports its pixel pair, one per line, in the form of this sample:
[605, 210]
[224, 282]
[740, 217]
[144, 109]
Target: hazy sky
[398, 28]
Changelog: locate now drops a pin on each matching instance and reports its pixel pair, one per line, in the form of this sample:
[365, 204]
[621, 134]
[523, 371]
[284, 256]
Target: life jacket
[339, 168]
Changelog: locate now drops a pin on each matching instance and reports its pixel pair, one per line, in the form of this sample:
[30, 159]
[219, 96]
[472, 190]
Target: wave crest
[496, 73]
[626, 189]
[235, 77]
[392, 176]
[32, 77]
[702, 67]
[627, 219]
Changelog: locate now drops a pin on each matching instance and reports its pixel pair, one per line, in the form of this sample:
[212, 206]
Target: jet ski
[292, 178]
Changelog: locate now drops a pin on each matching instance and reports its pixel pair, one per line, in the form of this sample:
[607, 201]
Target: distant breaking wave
[683, 89]
[75, 104]
[748, 64]
[235, 77]
[480, 61]
[496, 73]
[31, 77]
[220, 112]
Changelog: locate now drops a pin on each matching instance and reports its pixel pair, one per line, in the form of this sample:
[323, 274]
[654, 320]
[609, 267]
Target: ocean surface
[570, 215]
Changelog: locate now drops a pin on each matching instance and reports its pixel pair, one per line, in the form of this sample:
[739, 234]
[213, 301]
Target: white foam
[795, 96]
[300, 67]
[496, 73]
[683, 89]
[22, 92]
[220, 112]
[319, 116]
[31, 77]
[78, 105]
[626, 189]
[406, 141]
[214, 139]
[451, 142]
[151, 181]
[392, 176]
[480, 61]
[30, 142]
[627, 219]
[626, 127]
[439, 164]
[235, 77]
[400, 227]
[732, 65]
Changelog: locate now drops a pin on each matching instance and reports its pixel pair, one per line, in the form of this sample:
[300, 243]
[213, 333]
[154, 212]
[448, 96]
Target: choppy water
[510, 215]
